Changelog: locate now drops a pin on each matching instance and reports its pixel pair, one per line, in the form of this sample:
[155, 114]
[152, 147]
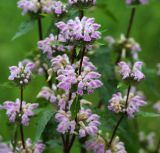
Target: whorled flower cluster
[134, 73]
[13, 111]
[85, 3]
[98, 145]
[87, 123]
[22, 73]
[38, 147]
[53, 6]
[52, 44]
[87, 81]
[43, 6]
[130, 46]
[83, 30]
[136, 1]
[119, 104]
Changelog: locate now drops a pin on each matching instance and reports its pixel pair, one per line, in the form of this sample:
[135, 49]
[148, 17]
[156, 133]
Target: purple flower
[5, 148]
[82, 2]
[39, 147]
[88, 123]
[48, 94]
[51, 45]
[67, 78]
[138, 1]
[117, 103]
[66, 124]
[59, 63]
[53, 6]
[22, 73]
[73, 30]
[13, 111]
[134, 73]
[28, 6]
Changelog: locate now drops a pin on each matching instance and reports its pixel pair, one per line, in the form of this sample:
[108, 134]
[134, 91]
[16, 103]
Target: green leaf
[46, 116]
[75, 107]
[147, 114]
[24, 28]
[7, 85]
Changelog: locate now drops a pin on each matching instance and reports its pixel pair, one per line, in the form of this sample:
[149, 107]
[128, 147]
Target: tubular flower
[53, 6]
[84, 3]
[22, 73]
[48, 94]
[131, 73]
[88, 123]
[29, 6]
[85, 30]
[129, 45]
[117, 103]
[51, 45]
[13, 111]
[136, 1]
[117, 147]
[5, 148]
[66, 124]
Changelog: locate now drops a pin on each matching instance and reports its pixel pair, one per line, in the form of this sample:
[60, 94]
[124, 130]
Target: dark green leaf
[46, 116]
[75, 107]
[147, 114]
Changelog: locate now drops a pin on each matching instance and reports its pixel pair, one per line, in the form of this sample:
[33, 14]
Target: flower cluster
[48, 94]
[128, 45]
[119, 104]
[88, 80]
[98, 145]
[87, 122]
[84, 3]
[85, 30]
[13, 111]
[53, 6]
[45, 6]
[21, 74]
[38, 147]
[128, 72]
[136, 1]
[5, 148]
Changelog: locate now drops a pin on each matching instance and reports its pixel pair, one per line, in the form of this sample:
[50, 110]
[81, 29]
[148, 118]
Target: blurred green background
[114, 18]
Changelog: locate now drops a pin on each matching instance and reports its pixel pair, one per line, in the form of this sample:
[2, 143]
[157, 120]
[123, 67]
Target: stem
[133, 11]
[158, 146]
[40, 25]
[120, 119]
[81, 62]
[129, 28]
[21, 126]
[72, 142]
[81, 14]
[82, 141]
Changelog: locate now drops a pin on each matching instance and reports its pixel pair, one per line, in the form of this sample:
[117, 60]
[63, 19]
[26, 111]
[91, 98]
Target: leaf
[7, 85]
[75, 107]
[24, 28]
[147, 114]
[46, 116]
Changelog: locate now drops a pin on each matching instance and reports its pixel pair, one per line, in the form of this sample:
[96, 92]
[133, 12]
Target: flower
[39, 147]
[5, 148]
[88, 122]
[66, 124]
[28, 6]
[117, 103]
[67, 78]
[51, 45]
[136, 1]
[156, 106]
[85, 30]
[131, 73]
[53, 6]
[48, 94]
[13, 111]
[21, 74]
[82, 2]
[116, 147]
[129, 46]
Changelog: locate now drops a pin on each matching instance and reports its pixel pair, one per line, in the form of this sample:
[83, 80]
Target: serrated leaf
[24, 28]
[75, 107]
[147, 114]
[46, 116]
